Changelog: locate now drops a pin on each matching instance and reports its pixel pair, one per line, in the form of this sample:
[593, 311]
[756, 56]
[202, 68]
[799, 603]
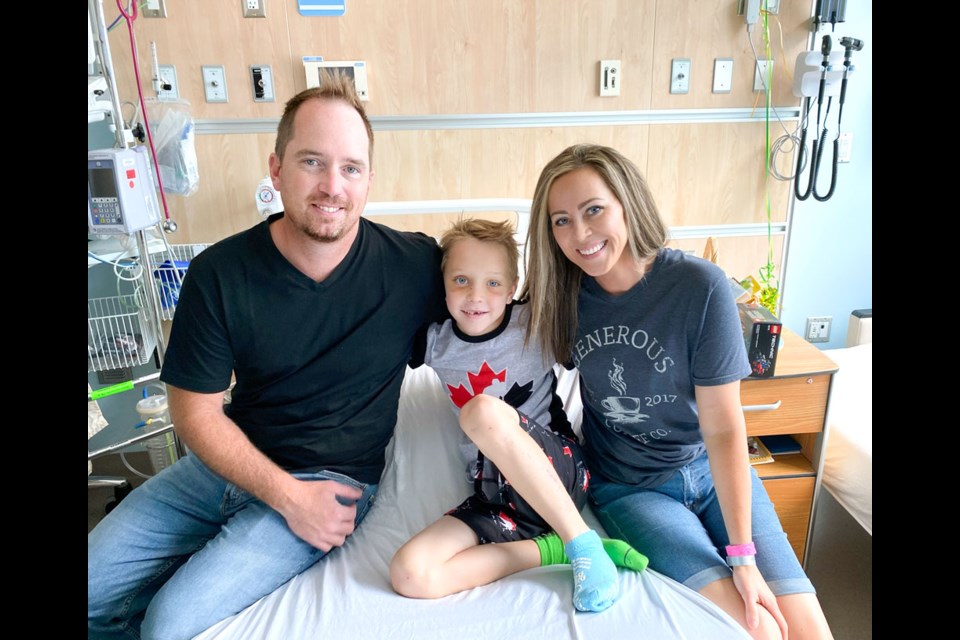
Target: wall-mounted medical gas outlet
[722, 75]
[356, 69]
[169, 89]
[818, 329]
[154, 9]
[262, 78]
[254, 8]
[680, 75]
[609, 78]
[214, 83]
[760, 75]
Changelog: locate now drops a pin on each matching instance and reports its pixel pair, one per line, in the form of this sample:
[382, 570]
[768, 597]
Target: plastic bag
[173, 136]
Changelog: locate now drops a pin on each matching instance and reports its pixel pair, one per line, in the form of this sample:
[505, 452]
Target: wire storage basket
[170, 265]
[119, 333]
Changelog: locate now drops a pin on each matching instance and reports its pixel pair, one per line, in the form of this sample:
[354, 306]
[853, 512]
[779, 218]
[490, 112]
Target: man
[314, 312]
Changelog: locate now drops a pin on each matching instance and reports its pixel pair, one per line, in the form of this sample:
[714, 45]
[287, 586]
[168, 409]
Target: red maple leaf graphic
[478, 382]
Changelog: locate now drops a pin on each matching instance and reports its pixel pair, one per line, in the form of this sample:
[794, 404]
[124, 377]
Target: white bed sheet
[848, 466]
[348, 595]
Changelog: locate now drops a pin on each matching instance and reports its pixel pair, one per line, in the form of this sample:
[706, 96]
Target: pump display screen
[101, 182]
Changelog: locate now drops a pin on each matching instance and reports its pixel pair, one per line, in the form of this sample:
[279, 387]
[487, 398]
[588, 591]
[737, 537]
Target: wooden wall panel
[713, 174]
[231, 167]
[497, 56]
[481, 163]
[435, 57]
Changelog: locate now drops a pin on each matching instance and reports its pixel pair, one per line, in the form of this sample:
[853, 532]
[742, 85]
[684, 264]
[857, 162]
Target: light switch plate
[722, 75]
[214, 83]
[760, 75]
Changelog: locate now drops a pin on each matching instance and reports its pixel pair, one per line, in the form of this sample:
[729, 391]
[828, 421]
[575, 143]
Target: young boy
[530, 481]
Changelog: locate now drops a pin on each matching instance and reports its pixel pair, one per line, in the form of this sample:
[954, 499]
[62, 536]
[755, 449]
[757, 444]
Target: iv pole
[104, 57]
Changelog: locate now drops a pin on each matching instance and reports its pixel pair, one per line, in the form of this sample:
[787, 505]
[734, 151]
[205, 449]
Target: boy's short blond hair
[485, 231]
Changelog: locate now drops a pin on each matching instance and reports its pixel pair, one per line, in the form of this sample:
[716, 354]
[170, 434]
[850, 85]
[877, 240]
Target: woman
[656, 337]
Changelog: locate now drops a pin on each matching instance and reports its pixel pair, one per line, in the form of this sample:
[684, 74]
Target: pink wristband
[748, 549]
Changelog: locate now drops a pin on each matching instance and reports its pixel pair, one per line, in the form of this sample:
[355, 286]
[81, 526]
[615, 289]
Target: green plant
[769, 288]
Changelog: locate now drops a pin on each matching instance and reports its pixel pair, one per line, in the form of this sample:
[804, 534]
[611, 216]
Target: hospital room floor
[111, 465]
[840, 564]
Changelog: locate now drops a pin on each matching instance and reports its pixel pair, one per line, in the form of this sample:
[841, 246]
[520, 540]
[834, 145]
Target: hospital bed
[348, 593]
[848, 465]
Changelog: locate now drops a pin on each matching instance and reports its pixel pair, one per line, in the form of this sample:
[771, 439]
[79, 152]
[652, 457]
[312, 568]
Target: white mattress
[347, 595]
[848, 466]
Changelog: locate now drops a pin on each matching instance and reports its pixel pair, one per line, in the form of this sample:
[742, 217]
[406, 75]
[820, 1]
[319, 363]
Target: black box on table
[761, 333]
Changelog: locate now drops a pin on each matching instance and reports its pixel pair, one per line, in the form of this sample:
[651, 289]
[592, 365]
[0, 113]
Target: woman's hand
[755, 593]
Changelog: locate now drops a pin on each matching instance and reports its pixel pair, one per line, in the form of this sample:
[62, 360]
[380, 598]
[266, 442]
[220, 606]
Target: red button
[132, 184]
[131, 173]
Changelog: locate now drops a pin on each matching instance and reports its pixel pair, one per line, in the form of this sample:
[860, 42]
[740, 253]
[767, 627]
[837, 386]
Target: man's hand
[316, 515]
[755, 593]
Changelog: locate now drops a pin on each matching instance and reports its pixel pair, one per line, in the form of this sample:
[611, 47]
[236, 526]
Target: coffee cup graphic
[621, 404]
[623, 410]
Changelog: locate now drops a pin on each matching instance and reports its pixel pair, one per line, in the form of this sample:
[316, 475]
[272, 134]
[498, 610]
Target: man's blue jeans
[188, 549]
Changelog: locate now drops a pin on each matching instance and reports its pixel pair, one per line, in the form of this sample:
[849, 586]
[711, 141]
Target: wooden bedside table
[792, 402]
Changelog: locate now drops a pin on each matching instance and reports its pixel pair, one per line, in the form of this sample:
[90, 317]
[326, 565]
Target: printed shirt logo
[621, 409]
[492, 383]
[478, 382]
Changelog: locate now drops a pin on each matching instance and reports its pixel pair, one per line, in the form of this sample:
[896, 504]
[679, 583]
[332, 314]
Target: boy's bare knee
[481, 416]
[410, 578]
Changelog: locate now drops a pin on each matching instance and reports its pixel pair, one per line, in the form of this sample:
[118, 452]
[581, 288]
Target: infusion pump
[121, 198]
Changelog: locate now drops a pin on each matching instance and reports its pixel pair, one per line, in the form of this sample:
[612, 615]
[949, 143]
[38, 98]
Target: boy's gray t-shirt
[641, 353]
[500, 365]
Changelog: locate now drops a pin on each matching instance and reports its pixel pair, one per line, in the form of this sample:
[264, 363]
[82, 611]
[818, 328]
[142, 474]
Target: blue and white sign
[314, 8]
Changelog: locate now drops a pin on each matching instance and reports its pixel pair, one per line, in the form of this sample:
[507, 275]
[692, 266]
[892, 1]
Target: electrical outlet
[610, 78]
[680, 75]
[214, 83]
[722, 75]
[262, 78]
[254, 8]
[760, 75]
[154, 9]
[169, 89]
[818, 329]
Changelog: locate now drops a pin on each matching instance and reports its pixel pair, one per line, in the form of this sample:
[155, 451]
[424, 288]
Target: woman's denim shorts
[679, 527]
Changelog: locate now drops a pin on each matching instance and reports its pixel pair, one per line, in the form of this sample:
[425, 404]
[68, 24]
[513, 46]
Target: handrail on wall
[521, 207]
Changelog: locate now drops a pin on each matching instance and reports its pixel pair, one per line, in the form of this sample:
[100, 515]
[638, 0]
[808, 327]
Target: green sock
[622, 554]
